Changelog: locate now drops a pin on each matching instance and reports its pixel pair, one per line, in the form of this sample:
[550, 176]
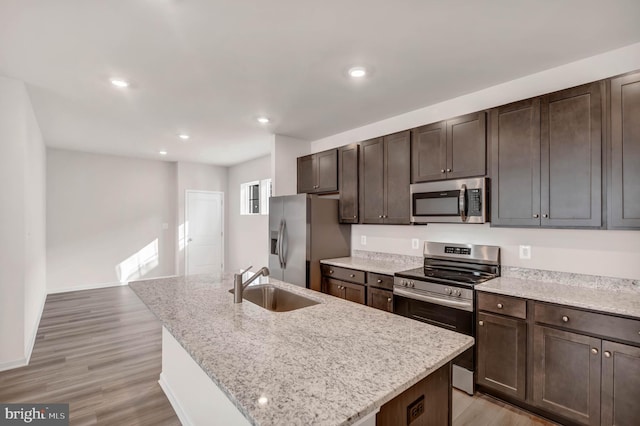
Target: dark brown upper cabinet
[546, 160]
[450, 149]
[348, 182]
[318, 172]
[624, 194]
[385, 178]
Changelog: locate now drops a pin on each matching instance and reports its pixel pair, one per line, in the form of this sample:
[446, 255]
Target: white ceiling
[210, 67]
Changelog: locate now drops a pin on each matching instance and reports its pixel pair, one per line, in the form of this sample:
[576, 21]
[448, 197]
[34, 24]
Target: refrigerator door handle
[283, 250]
[279, 244]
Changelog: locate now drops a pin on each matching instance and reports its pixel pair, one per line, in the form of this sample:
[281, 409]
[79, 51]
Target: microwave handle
[462, 203]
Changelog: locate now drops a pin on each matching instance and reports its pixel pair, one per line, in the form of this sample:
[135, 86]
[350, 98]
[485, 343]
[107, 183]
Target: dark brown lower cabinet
[502, 354]
[344, 290]
[427, 403]
[380, 299]
[620, 384]
[566, 374]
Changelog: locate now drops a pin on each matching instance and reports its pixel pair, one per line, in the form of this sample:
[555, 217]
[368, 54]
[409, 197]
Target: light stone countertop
[378, 266]
[327, 364]
[612, 301]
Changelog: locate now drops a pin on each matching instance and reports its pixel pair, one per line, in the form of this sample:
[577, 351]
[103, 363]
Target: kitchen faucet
[239, 286]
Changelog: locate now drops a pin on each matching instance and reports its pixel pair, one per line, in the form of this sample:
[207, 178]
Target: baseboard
[10, 365]
[85, 287]
[34, 334]
[182, 416]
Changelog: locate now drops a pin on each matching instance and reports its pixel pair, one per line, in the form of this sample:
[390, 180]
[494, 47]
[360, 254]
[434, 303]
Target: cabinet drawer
[379, 280]
[602, 325]
[344, 274]
[503, 305]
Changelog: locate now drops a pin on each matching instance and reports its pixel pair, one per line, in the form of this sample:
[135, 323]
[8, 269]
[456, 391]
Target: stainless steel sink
[274, 298]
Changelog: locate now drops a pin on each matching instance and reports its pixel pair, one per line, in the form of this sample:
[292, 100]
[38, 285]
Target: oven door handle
[465, 306]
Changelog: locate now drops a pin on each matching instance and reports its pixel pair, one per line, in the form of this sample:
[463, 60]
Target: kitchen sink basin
[274, 298]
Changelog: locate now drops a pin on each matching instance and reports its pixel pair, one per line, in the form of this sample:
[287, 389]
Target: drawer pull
[565, 318]
[331, 271]
[379, 281]
[389, 299]
[595, 351]
[352, 275]
[480, 322]
[607, 354]
[500, 306]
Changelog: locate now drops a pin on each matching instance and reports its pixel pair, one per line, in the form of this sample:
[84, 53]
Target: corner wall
[597, 252]
[22, 236]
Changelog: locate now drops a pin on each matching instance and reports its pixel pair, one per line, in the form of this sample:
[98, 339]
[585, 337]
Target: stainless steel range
[442, 293]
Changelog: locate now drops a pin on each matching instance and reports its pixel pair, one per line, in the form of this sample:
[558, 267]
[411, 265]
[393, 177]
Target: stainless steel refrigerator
[303, 229]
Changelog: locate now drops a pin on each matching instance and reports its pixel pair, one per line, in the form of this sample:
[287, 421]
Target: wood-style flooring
[100, 351]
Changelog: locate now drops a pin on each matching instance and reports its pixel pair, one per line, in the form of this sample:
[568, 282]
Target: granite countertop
[376, 265]
[327, 364]
[611, 300]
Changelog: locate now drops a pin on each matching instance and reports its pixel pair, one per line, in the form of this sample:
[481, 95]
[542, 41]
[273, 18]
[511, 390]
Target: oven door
[453, 319]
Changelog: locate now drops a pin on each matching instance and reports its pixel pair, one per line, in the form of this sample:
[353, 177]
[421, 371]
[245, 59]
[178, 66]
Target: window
[254, 197]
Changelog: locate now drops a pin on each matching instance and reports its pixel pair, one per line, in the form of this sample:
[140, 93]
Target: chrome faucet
[239, 286]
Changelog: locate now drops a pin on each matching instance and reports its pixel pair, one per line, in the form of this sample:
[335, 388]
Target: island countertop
[327, 364]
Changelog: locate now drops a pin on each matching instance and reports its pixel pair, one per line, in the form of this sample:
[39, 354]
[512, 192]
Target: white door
[204, 232]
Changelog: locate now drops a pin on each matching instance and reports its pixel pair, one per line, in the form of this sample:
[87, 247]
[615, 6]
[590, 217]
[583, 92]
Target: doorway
[204, 232]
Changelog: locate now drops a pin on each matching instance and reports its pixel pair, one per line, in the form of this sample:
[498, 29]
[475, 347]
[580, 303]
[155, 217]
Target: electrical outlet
[525, 252]
[415, 243]
[363, 240]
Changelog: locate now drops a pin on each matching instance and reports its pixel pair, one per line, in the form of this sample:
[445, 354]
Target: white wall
[199, 177]
[284, 151]
[105, 217]
[247, 234]
[22, 238]
[612, 253]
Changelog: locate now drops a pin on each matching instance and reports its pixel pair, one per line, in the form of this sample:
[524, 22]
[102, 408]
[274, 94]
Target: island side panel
[195, 398]
[427, 403]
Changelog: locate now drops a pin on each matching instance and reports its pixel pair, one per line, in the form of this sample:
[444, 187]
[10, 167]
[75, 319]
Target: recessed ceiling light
[263, 120]
[357, 72]
[119, 83]
[163, 152]
[183, 136]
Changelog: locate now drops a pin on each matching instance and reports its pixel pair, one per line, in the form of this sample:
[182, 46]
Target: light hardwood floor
[100, 351]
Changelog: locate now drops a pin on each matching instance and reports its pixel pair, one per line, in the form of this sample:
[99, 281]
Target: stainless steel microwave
[451, 201]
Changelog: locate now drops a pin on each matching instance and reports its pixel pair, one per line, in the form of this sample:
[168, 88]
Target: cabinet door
[354, 292]
[397, 174]
[515, 164]
[306, 174]
[429, 152]
[372, 181]
[566, 374]
[571, 147]
[624, 199]
[467, 146]
[333, 287]
[380, 299]
[502, 354]
[620, 384]
[348, 179]
[326, 164]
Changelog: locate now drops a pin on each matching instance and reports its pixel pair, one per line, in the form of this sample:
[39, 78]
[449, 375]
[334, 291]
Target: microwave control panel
[475, 202]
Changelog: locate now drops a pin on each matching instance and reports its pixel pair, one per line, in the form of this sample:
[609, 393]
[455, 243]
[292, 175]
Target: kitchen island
[333, 363]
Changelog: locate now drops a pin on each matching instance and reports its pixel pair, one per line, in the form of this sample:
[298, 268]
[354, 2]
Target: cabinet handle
[389, 299]
[331, 271]
[565, 318]
[379, 281]
[448, 170]
[379, 216]
[545, 215]
[480, 322]
[607, 354]
[594, 351]
[536, 215]
[500, 306]
[352, 275]
[354, 217]
[441, 170]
